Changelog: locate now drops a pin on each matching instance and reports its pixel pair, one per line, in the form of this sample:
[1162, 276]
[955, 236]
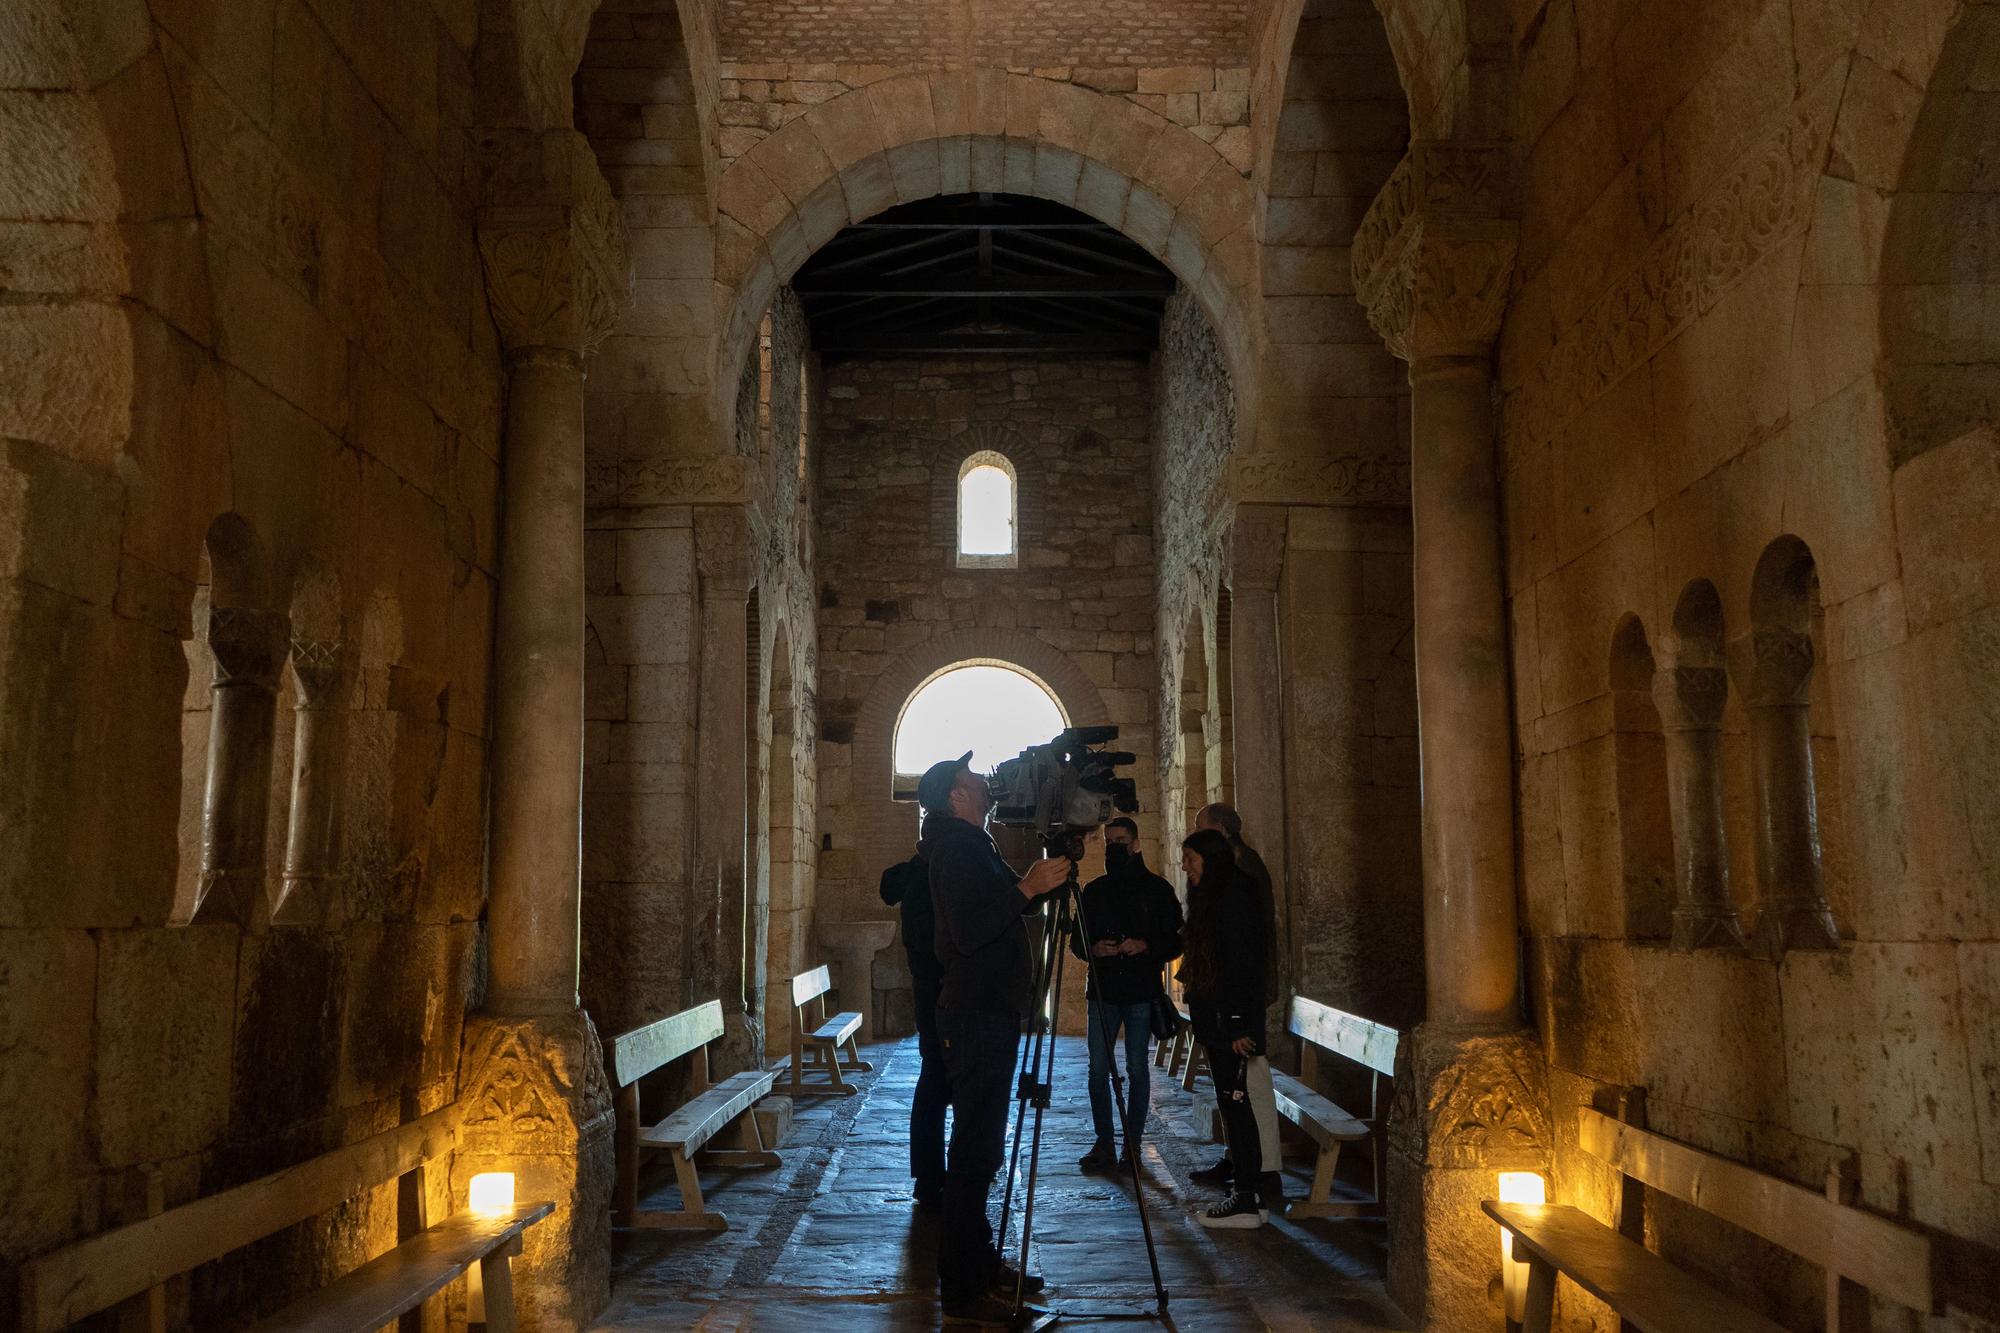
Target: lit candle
[492, 1193]
[1517, 1187]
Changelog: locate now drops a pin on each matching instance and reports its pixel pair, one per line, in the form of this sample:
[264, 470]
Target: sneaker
[1131, 1160]
[1238, 1212]
[1219, 1174]
[984, 1310]
[1099, 1158]
[1003, 1282]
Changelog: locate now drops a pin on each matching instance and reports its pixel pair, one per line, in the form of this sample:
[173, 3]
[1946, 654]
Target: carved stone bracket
[1433, 258]
[248, 644]
[1256, 548]
[552, 243]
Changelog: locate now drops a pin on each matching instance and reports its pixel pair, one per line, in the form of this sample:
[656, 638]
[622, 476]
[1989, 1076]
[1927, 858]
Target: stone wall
[251, 416]
[895, 607]
[1697, 400]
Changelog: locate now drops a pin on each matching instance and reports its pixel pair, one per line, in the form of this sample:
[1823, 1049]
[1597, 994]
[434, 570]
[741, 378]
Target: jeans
[1239, 1123]
[927, 1106]
[1105, 1020]
[980, 1047]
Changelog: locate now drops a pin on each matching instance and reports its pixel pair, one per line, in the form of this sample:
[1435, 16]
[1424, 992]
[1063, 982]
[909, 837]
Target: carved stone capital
[1690, 698]
[724, 552]
[1778, 667]
[1433, 259]
[1471, 1101]
[318, 665]
[537, 1104]
[1256, 548]
[552, 243]
[248, 645]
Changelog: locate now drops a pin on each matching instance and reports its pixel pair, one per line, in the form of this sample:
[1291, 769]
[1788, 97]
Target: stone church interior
[502, 501]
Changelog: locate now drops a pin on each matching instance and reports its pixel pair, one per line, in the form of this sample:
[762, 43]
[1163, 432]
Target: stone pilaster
[249, 650]
[1690, 688]
[536, 1103]
[1777, 665]
[718, 954]
[1433, 263]
[1468, 1106]
[1257, 717]
[312, 876]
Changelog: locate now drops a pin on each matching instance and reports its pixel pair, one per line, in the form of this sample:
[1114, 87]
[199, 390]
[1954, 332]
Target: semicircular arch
[918, 136]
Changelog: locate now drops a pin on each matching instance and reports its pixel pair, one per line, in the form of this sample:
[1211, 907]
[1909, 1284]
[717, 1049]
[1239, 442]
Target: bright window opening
[986, 511]
[994, 711]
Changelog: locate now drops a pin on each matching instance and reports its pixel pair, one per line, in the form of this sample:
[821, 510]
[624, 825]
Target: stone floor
[829, 1241]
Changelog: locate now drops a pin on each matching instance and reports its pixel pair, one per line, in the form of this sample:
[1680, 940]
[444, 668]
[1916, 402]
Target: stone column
[1793, 911]
[1432, 263]
[1689, 689]
[531, 1072]
[249, 650]
[1256, 561]
[720, 911]
[311, 893]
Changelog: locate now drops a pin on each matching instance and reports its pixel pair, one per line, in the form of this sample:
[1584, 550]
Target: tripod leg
[1051, 939]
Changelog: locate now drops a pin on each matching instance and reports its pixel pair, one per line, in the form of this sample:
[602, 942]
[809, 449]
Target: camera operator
[907, 885]
[1134, 922]
[1225, 820]
[1224, 977]
[982, 946]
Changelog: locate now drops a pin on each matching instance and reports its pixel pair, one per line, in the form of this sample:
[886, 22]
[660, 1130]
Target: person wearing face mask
[1134, 923]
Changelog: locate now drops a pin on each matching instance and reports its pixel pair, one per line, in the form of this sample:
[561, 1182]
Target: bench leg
[496, 1280]
[625, 1193]
[1180, 1054]
[1541, 1309]
[694, 1214]
[855, 1064]
[1196, 1063]
[750, 1149]
[1320, 1203]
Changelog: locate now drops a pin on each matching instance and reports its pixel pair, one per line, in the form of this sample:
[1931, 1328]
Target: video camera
[1066, 787]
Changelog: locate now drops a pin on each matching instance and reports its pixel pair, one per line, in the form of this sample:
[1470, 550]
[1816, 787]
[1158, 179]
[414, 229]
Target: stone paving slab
[831, 1242]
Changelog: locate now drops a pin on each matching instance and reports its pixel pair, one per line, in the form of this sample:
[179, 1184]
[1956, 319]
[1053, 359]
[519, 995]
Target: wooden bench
[1321, 1027]
[1859, 1251]
[136, 1260]
[822, 1037]
[710, 1110]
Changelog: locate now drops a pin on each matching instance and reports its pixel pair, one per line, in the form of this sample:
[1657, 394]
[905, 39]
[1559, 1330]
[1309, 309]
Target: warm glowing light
[1517, 1187]
[492, 1192]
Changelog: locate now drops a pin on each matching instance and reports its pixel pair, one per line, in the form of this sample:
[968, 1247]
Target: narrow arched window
[987, 513]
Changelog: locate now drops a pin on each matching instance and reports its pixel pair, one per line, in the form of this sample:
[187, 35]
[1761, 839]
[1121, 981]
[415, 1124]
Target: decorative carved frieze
[1471, 1101]
[1355, 479]
[1433, 258]
[248, 645]
[1745, 216]
[724, 479]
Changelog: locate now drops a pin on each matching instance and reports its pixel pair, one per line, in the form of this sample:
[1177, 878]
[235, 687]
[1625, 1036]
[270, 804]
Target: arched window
[989, 708]
[987, 512]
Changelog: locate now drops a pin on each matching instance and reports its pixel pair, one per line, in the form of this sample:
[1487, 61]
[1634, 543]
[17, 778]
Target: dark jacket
[1230, 1004]
[982, 943]
[1129, 903]
[907, 884]
[1249, 863]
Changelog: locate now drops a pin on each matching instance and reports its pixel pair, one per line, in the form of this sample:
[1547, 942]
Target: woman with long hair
[1223, 976]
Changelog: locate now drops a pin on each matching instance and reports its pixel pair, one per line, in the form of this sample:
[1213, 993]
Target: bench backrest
[1361, 1041]
[62, 1287]
[1874, 1252]
[639, 1052]
[808, 986]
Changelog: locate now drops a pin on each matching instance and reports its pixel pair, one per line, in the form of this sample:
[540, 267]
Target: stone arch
[919, 135]
[1941, 363]
[1331, 126]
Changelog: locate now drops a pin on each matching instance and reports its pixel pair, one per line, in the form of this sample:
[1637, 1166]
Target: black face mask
[1116, 855]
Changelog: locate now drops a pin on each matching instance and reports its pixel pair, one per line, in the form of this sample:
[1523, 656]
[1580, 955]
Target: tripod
[1065, 920]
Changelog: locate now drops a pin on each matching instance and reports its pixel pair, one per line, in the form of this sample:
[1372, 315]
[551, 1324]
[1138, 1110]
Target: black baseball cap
[934, 788]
